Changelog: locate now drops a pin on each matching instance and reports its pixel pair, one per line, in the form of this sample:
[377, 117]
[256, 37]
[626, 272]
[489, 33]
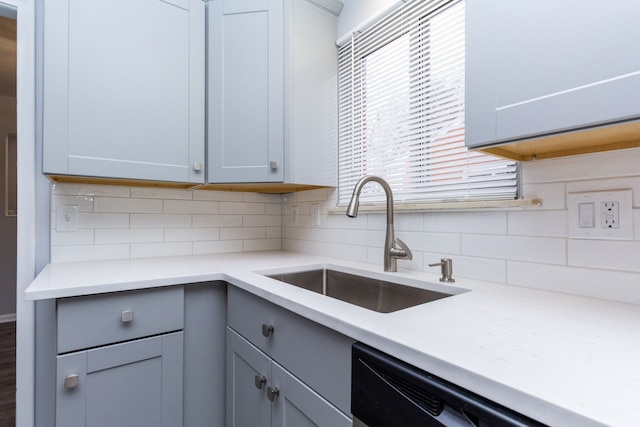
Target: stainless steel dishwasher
[387, 392]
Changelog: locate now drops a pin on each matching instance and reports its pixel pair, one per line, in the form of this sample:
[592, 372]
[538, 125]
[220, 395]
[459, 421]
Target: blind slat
[401, 110]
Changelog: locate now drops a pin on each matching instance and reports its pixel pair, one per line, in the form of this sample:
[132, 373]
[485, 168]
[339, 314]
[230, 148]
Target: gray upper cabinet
[537, 68]
[124, 92]
[272, 91]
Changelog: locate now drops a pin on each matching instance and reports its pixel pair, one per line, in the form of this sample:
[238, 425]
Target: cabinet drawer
[95, 320]
[317, 355]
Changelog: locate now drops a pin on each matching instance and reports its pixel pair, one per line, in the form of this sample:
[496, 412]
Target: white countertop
[561, 359]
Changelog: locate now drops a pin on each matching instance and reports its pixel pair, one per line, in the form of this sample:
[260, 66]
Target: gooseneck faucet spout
[391, 252]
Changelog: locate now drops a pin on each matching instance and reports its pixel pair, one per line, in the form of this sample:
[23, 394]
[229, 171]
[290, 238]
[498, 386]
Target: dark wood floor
[7, 374]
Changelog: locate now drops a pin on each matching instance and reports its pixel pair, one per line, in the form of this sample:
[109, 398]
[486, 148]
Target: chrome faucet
[391, 252]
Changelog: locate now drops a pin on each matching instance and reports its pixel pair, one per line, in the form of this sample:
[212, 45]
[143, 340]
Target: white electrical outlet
[293, 218]
[66, 218]
[601, 215]
[610, 214]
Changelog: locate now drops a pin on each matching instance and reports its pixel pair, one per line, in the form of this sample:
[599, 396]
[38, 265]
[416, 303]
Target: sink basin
[373, 294]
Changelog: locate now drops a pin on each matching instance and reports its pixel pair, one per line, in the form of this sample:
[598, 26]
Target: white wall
[132, 222]
[525, 247]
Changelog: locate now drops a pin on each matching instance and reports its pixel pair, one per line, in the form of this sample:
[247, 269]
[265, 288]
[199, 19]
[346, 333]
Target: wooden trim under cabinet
[592, 140]
[252, 187]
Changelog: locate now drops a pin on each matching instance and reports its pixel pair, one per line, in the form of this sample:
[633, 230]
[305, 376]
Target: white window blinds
[401, 111]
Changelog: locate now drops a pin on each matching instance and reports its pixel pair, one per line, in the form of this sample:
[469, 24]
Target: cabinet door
[538, 67]
[245, 98]
[124, 89]
[247, 403]
[299, 406]
[137, 384]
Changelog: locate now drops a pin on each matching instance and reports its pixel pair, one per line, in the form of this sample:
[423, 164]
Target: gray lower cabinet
[269, 347]
[262, 393]
[120, 359]
[137, 384]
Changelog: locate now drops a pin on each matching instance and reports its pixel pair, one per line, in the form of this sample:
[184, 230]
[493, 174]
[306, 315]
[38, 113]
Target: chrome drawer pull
[71, 381]
[260, 380]
[267, 330]
[272, 393]
[127, 316]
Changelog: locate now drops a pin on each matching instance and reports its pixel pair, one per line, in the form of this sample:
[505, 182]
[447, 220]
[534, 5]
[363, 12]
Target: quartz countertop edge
[560, 359]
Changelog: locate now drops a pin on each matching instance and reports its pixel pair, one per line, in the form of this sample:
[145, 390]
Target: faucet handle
[403, 252]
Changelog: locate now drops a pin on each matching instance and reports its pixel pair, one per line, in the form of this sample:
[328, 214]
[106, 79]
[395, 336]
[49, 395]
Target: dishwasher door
[388, 392]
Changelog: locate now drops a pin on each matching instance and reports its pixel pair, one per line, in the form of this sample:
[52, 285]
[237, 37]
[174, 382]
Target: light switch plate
[601, 215]
[66, 218]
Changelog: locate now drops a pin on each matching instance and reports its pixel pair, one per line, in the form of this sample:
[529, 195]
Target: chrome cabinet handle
[127, 316]
[272, 393]
[197, 166]
[273, 165]
[71, 381]
[260, 380]
[267, 330]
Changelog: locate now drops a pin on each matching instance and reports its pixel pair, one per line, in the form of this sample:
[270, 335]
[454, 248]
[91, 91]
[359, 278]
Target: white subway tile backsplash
[466, 222]
[80, 237]
[618, 255]
[262, 245]
[525, 247]
[402, 221]
[603, 165]
[273, 232]
[191, 234]
[128, 235]
[217, 221]
[217, 196]
[242, 233]
[241, 208]
[261, 220]
[139, 220]
[190, 206]
[486, 269]
[431, 242]
[160, 193]
[84, 203]
[217, 247]
[90, 190]
[262, 198]
[145, 250]
[118, 204]
[343, 221]
[88, 252]
[349, 252]
[365, 237]
[538, 223]
[552, 195]
[329, 235]
[608, 184]
[273, 209]
[534, 249]
[103, 220]
[607, 284]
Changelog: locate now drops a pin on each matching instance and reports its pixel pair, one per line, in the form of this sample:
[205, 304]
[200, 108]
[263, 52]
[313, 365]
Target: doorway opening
[8, 213]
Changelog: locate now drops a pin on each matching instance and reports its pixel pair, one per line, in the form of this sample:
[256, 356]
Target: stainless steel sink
[374, 294]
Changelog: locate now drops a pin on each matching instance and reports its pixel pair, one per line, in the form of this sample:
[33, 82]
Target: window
[401, 111]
